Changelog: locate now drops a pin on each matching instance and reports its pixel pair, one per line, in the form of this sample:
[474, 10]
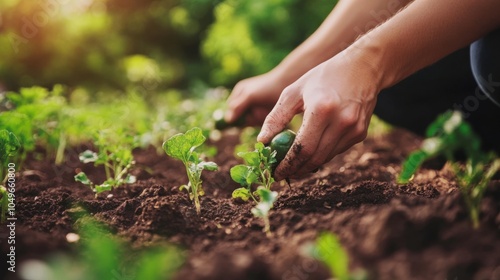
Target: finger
[349, 139]
[237, 104]
[289, 104]
[328, 142]
[306, 143]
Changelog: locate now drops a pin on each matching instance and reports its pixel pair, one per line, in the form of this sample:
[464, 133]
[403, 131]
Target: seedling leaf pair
[182, 147]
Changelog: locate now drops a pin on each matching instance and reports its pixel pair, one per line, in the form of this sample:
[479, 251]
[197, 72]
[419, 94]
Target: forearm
[348, 20]
[423, 33]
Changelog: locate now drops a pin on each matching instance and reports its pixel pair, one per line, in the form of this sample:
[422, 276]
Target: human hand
[337, 98]
[254, 97]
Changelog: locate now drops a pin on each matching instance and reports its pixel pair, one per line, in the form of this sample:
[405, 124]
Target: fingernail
[262, 134]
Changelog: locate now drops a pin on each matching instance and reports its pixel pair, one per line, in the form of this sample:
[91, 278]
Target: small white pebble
[109, 196]
[72, 237]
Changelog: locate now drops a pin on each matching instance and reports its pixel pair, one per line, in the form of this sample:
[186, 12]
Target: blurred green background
[148, 45]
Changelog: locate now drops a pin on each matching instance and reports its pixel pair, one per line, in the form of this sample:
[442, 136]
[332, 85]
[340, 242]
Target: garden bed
[416, 231]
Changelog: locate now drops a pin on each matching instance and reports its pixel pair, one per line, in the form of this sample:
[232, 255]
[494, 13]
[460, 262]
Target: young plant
[266, 202]
[256, 170]
[448, 135]
[328, 250]
[115, 154]
[182, 147]
[9, 146]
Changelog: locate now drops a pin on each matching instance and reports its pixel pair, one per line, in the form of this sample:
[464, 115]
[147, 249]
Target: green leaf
[242, 193]
[9, 145]
[250, 158]
[82, 178]
[210, 166]
[411, 165]
[88, 156]
[267, 199]
[103, 187]
[266, 195]
[329, 250]
[181, 145]
[240, 173]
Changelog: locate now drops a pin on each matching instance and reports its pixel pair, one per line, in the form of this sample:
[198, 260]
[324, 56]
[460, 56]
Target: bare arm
[423, 33]
[348, 20]
[338, 96]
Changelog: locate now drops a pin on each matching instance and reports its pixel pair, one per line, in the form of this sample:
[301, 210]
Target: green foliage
[446, 136]
[115, 154]
[103, 256]
[251, 37]
[38, 116]
[266, 202]
[256, 170]
[9, 146]
[4, 203]
[42, 40]
[182, 147]
[328, 250]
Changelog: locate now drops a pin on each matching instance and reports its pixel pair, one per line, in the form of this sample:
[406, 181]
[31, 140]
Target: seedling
[261, 210]
[256, 170]
[9, 146]
[446, 136]
[182, 147]
[115, 154]
[328, 250]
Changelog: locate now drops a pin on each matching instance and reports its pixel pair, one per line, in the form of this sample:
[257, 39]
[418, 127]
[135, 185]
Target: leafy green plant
[9, 146]
[115, 154]
[182, 147]
[256, 170]
[328, 250]
[45, 118]
[448, 135]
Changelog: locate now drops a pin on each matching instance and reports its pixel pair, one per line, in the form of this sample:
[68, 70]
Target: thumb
[288, 105]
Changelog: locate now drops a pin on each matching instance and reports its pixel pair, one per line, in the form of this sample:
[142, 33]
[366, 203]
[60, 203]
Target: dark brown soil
[415, 231]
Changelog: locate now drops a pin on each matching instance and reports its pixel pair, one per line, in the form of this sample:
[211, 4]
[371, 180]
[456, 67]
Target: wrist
[372, 54]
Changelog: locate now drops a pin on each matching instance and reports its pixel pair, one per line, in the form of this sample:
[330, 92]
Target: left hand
[337, 98]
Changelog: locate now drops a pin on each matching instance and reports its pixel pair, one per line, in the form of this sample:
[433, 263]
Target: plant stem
[60, 149]
[267, 226]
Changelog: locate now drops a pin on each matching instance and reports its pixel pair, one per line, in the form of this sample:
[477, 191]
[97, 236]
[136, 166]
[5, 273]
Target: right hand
[255, 97]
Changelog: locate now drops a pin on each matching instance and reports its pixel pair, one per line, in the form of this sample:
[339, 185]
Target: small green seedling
[446, 136]
[9, 146]
[115, 154]
[261, 210]
[182, 147]
[328, 250]
[256, 170]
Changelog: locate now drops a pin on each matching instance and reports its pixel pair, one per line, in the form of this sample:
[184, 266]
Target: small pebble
[72, 237]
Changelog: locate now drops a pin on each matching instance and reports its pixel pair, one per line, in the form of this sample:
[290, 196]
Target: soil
[416, 231]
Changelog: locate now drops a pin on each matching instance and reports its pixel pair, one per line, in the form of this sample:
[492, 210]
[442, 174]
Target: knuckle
[348, 120]
[325, 108]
